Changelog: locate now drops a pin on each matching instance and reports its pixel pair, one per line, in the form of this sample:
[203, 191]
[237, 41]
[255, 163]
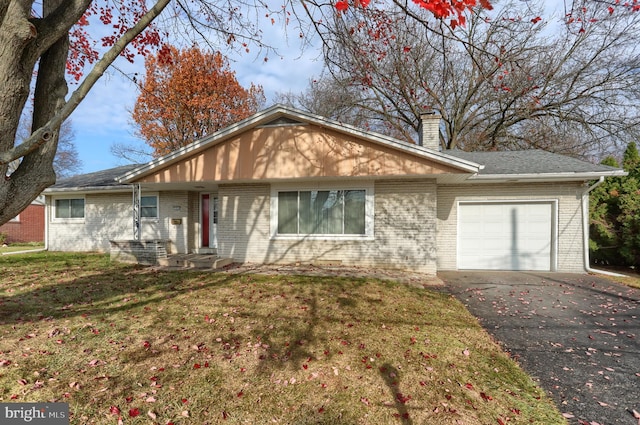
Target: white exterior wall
[404, 230]
[569, 220]
[109, 216]
[106, 217]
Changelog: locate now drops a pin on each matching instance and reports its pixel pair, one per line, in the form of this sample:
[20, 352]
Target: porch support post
[136, 212]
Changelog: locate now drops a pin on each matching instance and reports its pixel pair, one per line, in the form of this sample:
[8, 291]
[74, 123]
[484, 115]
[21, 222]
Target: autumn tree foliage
[188, 94]
[510, 78]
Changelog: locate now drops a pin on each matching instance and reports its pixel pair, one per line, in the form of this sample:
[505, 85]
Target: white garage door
[505, 236]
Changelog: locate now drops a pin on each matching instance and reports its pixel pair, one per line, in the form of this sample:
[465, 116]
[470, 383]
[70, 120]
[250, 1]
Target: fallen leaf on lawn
[114, 410]
[466, 352]
[568, 415]
[152, 415]
[486, 397]
[185, 413]
[134, 412]
[151, 399]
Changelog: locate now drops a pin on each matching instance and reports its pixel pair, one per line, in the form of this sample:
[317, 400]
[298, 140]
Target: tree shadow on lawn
[123, 289]
[107, 292]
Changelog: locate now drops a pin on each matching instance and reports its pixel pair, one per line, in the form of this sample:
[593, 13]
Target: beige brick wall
[106, 216]
[109, 217]
[404, 230]
[569, 247]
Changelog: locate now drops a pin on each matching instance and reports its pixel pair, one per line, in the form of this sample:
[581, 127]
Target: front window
[149, 206]
[322, 212]
[69, 208]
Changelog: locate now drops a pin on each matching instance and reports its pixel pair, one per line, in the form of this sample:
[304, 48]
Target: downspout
[585, 230]
[47, 202]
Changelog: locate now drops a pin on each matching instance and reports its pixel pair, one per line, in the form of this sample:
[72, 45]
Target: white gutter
[585, 230]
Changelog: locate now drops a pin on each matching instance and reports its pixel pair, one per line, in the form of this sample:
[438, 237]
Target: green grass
[16, 247]
[183, 347]
[629, 279]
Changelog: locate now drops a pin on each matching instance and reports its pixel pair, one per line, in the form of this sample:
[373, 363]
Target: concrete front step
[195, 261]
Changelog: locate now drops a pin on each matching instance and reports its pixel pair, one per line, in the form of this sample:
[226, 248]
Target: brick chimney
[429, 130]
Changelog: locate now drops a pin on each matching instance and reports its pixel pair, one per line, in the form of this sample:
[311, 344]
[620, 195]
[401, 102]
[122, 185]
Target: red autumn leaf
[500, 421]
[342, 5]
[305, 366]
[225, 415]
[321, 410]
[134, 412]
[240, 394]
[402, 398]
[486, 397]
[196, 366]
[114, 410]
[536, 20]
[146, 344]
[185, 401]
[468, 386]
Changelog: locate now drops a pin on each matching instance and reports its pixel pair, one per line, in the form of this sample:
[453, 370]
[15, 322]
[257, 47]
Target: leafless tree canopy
[511, 78]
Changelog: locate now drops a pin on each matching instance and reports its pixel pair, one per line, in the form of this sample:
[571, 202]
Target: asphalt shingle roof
[528, 162]
[104, 178]
[502, 162]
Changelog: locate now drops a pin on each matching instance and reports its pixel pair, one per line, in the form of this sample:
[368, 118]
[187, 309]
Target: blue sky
[104, 118]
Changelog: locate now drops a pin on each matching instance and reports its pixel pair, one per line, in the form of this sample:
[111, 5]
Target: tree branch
[43, 134]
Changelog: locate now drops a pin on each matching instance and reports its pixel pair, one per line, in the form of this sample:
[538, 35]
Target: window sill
[67, 220]
[322, 237]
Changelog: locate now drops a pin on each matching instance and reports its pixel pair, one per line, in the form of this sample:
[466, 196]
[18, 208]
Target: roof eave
[547, 177]
[88, 189]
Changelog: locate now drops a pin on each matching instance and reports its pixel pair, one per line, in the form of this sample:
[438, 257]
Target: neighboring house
[28, 226]
[285, 186]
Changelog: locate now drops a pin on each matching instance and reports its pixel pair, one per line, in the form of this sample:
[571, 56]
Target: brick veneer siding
[404, 229]
[28, 228]
[109, 216]
[568, 195]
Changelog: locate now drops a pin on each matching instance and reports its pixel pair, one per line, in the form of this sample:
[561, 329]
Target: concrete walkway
[577, 335]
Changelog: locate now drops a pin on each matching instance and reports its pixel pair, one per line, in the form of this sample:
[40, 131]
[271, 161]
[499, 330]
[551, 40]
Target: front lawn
[18, 247]
[126, 343]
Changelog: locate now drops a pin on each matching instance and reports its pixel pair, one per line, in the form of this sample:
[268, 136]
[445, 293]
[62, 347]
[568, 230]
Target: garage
[506, 235]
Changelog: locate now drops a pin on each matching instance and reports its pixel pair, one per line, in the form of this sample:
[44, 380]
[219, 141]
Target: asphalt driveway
[577, 335]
